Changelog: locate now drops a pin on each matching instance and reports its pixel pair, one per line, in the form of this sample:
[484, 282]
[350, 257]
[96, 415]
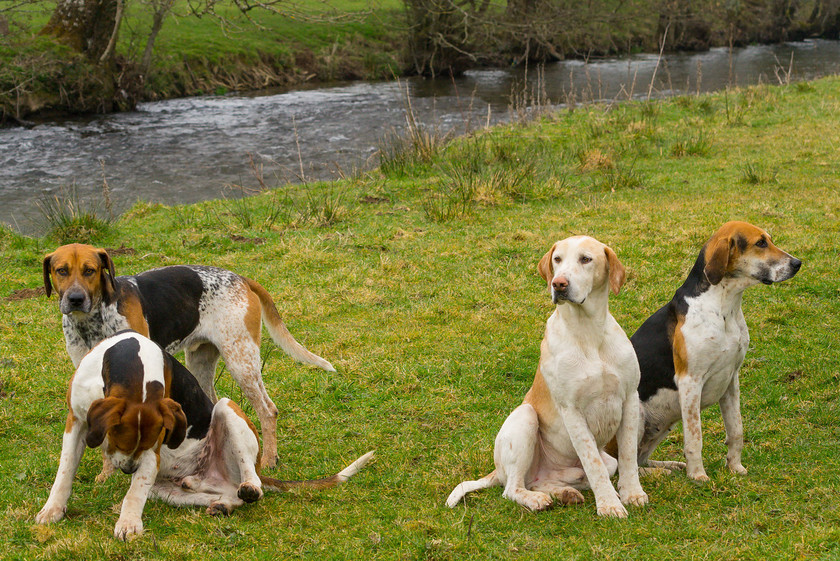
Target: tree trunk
[84, 25]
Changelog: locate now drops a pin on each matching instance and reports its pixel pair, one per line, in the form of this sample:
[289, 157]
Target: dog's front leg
[72, 448]
[130, 523]
[730, 409]
[690, 393]
[606, 499]
[629, 488]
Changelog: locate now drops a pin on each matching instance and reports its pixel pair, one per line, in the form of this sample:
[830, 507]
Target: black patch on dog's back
[196, 405]
[653, 340]
[170, 298]
[121, 366]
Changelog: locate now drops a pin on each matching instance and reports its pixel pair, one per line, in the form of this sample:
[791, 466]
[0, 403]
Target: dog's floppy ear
[616, 270]
[47, 270]
[717, 258]
[108, 281]
[102, 415]
[174, 421]
[544, 266]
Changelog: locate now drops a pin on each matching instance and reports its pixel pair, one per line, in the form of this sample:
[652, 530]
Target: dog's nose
[560, 284]
[129, 468]
[795, 264]
[76, 299]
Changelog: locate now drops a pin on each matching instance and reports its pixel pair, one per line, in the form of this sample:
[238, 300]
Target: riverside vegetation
[418, 281]
[56, 56]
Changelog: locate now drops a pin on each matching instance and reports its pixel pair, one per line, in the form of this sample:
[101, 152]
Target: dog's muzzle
[75, 301]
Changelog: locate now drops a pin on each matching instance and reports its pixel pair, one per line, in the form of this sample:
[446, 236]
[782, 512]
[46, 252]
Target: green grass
[434, 326]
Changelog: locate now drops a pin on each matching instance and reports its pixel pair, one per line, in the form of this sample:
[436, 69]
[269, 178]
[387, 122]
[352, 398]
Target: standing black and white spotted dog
[153, 421]
[204, 311]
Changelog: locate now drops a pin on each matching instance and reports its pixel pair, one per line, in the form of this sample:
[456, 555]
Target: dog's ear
[47, 271]
[717, 258]
[174, 421]
[615, 270]
[103, 415]
[544, 266]
[108, 281]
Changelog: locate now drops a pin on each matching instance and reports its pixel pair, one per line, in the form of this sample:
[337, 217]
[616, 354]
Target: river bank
[341, 40]
[418, 282]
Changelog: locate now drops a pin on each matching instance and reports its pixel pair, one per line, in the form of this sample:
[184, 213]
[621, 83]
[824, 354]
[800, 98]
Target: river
[192, 149]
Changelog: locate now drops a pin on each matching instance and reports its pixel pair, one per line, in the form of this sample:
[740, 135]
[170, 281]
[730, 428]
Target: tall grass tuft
[697, 144]
[70, 220]
[758, 174]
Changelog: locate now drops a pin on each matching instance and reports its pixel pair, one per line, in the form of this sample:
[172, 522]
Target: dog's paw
[268, 462]
[738, 468]
[532, 500]
[50, 514]
[699, 476]
[249, 492]
[219, 509]
[636, 497]
[612, 510]
[568, 496]
[128, 528]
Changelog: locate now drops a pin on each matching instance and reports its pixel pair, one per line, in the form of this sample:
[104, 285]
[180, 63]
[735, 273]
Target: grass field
[418, 282]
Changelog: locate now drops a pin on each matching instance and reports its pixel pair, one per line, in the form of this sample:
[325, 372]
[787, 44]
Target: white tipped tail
[325, 483]
[280, 334]
[465, 487]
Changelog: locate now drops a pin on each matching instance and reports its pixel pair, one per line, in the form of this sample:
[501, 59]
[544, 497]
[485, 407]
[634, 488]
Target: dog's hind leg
[240, 450]
[242, 357]
[515, 454]
[201, 361]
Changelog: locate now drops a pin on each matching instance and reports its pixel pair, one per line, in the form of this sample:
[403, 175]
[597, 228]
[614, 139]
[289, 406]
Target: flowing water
[186, 150]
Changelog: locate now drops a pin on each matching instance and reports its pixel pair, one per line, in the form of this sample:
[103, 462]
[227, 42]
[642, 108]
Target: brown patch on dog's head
[739, 249]
[81, 274]
[132, 427]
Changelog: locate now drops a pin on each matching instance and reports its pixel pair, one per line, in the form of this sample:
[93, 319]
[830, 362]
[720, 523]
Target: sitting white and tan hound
[153, 421]
[583, 395]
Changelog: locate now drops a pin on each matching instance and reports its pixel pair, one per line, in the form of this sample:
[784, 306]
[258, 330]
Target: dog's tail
[489, 480]
[325, 483]
[280, 334]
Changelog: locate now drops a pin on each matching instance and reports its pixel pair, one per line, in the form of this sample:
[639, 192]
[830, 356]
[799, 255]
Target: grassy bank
[309, 41]
[418, 283]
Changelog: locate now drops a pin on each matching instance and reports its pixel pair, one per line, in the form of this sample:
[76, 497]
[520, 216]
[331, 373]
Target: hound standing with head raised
[691, 349]
[152, 420]
[204, 311]
[583, 395]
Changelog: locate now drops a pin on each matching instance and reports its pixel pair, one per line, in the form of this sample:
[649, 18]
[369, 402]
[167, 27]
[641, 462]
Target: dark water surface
[187, 150]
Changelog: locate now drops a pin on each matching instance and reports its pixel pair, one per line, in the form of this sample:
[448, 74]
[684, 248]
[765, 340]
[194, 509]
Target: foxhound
[691, 349]
[583, 395]
[204, 311]
[154, 421]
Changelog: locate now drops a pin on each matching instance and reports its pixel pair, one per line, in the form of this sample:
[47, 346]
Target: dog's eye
[557, 259]
[761, 243]
[62, 271]
[88, 271]
[585, 259]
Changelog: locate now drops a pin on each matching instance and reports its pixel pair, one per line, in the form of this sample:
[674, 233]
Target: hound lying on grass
[153, 421]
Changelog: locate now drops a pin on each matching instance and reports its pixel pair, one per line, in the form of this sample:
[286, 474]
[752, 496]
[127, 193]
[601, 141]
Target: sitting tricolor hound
[153, 421]
[691, 349]
[583, 395]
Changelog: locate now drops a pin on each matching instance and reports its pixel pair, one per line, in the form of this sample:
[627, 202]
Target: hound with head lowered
[583, 395]
[204, 311]
[691, 349]
[153, 421]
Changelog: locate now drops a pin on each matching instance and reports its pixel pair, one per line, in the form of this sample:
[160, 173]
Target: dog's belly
[182, 461]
